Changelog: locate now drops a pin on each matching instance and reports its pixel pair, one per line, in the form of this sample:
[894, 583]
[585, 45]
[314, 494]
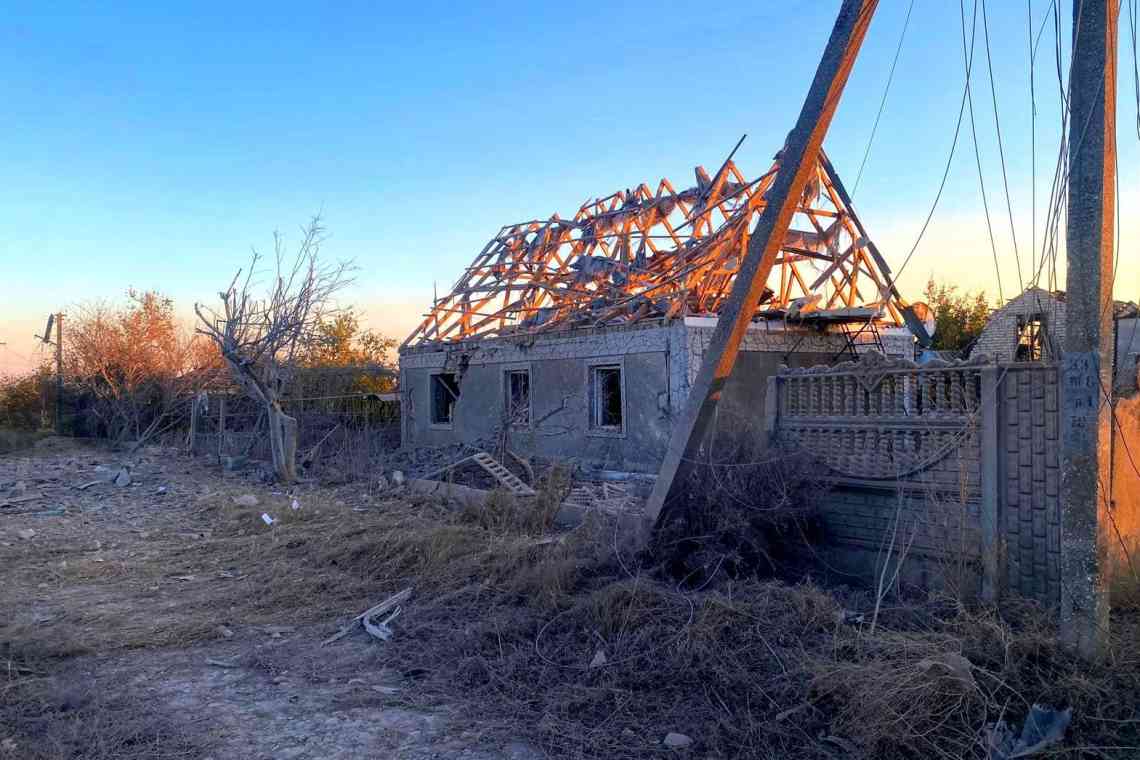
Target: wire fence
[347, 419]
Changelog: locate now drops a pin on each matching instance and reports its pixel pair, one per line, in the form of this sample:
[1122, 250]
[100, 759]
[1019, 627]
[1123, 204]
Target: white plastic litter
[265, 518]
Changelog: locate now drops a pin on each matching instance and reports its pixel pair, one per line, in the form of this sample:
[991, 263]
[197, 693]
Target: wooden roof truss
[660, 253]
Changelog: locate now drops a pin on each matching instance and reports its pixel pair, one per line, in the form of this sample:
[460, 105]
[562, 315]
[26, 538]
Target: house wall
[998, 340]
[559, 368]
[1127, 355]
[659, 364]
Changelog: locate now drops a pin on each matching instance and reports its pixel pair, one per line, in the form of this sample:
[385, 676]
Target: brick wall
[998, 340]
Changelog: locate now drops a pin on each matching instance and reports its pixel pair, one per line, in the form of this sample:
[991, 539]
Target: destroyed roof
[660, 254]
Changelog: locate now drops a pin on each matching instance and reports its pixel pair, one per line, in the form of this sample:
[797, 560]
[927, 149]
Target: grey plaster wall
[659, 364]
[559, 369]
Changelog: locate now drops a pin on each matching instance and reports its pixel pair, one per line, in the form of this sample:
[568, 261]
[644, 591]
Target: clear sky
[150, 145]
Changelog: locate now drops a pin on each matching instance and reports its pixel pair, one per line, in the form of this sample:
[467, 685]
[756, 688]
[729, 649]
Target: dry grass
[508, 619]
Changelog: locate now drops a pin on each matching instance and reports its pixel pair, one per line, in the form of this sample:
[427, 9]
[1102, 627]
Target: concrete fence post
[772, 407]
[991, 488]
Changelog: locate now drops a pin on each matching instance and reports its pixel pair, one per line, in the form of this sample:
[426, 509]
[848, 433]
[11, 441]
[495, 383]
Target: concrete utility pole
[796, 162]
[1087, 359]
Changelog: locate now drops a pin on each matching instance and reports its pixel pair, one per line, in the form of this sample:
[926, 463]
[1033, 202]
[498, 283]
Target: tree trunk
[282, 442]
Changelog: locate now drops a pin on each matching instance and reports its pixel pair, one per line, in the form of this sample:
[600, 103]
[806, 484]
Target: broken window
[444, 394]
[517, 387]
[1030, 339]
[606, 402]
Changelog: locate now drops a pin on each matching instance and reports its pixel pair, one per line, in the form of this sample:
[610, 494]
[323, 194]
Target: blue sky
[151, 147]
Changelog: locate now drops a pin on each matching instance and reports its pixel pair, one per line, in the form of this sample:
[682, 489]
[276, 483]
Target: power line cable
[949, 158]
[1032, 141]
[1132, 18]
[1001, 148]
[978, 155]
[883, 100]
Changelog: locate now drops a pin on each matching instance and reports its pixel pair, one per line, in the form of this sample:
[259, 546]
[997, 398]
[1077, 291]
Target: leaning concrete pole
[796, 163]
[1087, 358]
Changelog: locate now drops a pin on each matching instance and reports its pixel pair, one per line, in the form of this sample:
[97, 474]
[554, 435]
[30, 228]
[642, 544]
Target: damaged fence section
[944, 474]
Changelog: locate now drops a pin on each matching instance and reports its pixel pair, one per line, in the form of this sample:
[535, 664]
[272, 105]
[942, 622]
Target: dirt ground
[131, 628]
[164, 616]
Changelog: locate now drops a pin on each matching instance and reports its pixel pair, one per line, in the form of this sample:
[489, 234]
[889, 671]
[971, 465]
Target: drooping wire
[1132, 19]
[1032, 141]
[1001, 148]
[978, 154]
[949, 158]
[883, 100]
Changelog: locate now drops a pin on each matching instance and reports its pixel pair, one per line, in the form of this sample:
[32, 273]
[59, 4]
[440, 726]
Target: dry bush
[135, 365]
[22, 400]
[748, 513]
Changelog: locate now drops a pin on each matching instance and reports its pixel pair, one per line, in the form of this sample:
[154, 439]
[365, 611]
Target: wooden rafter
[639, 254]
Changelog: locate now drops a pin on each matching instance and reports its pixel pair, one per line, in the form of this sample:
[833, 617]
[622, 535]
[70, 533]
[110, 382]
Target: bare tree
[262, 339]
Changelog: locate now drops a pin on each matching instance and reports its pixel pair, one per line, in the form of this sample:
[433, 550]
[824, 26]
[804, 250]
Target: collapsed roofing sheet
[660, 254]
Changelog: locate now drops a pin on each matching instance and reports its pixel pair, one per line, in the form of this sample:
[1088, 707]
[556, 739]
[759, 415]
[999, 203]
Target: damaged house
[1031, 328]
[580, 337]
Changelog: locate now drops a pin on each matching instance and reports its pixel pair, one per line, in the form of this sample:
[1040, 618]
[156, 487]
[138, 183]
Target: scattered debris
[599, 660]
[222, 663]
[123, 478]
[674, 740]
[247, 500]
[948, 666]
[295, 505]
[505, 477]
[601, 497]
[27, 534]
[380, 630]
[224, 632]
[389, 690]
[398, 478]
[1043, 726]
[365, 618]
[233, 464]
[265, 518]
[493, 467]
[21, 500]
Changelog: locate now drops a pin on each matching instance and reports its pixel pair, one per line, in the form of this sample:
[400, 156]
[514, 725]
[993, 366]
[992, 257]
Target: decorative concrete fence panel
[925, 462]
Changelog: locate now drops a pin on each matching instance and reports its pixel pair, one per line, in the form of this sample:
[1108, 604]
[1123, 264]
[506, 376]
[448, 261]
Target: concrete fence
[948, 471]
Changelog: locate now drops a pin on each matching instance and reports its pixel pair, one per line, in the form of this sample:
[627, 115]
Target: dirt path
[127, 631]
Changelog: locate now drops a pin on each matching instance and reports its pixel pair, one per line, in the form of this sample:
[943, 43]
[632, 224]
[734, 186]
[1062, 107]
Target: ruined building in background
[1031, 328]
[581, 336]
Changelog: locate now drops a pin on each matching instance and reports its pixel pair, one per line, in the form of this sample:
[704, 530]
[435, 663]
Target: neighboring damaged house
[1031, 327]
[581, 337]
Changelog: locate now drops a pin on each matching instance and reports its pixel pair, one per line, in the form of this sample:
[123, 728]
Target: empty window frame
[606, 403]
[516, 389]
[444, 394]
[1030, 339]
